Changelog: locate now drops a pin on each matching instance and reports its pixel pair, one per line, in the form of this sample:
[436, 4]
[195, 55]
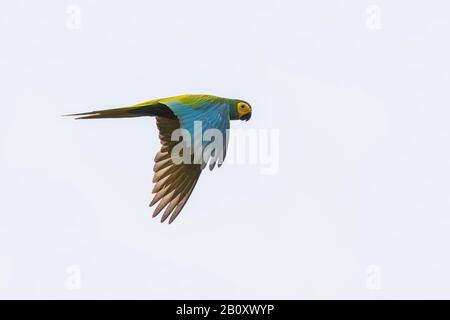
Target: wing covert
[211, 115]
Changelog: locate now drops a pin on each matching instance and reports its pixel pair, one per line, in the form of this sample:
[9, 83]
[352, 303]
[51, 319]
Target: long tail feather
[111, 113]
[151, 108]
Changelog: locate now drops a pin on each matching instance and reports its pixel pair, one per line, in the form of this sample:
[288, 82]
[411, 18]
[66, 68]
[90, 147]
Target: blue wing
[210, 115]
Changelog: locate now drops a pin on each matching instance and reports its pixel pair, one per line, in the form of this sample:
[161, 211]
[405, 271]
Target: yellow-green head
[240, 110]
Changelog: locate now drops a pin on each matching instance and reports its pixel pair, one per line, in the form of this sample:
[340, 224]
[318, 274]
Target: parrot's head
[241, 110]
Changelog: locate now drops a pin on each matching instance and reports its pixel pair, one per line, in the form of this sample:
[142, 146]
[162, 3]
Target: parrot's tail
[140, 110]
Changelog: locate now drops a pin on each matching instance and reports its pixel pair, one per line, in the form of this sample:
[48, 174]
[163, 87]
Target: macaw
[174, 180]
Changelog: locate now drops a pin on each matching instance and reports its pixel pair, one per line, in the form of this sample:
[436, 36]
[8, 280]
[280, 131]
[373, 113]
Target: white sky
[363, 178]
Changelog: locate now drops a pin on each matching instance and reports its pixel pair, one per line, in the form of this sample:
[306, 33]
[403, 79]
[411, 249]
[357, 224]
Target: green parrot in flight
[174, 181]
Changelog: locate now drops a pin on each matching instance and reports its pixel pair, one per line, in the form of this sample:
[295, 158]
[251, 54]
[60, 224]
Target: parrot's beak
[246, 116]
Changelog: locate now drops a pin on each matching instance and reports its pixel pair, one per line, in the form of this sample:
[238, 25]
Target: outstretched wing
[173, 182]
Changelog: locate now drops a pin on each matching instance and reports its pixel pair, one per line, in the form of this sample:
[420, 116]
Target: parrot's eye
[243, 106]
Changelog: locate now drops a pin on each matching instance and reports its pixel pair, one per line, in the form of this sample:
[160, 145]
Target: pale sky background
[359, 208]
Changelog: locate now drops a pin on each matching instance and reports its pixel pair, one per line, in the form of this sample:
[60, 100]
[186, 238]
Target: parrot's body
[174, 181]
